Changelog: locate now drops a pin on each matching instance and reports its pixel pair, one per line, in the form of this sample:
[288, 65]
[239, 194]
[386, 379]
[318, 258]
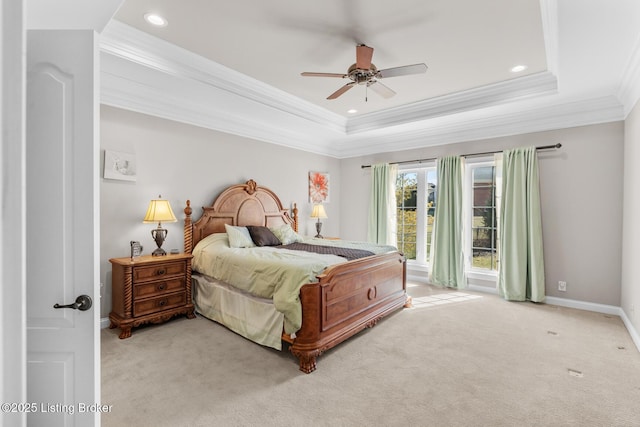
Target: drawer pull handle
[162, 286]
[162, 303]
[161, 271]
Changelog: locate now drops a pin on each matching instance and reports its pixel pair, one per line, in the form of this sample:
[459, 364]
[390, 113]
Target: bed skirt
[252, 317]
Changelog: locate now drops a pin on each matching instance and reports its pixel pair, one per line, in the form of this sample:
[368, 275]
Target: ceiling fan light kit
[363, 72]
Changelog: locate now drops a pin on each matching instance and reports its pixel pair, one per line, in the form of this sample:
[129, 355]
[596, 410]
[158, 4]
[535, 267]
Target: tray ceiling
[465, 43]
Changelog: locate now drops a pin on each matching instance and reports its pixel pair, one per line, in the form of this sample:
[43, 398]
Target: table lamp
[318, 212]
[159, 211]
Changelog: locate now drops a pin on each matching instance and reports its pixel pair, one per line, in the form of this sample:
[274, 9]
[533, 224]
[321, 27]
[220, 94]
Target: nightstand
[149, 289]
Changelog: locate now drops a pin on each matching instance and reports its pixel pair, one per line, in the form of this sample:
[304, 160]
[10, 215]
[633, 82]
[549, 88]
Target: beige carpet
[454, 360]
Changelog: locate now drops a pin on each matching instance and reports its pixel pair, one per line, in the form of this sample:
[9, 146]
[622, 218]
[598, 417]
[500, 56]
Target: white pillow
[285, 234]
[239, 237]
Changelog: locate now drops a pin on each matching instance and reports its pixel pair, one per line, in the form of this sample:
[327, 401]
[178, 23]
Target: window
[416, 201]
[484, 222]
[407, 215]
[415, 198]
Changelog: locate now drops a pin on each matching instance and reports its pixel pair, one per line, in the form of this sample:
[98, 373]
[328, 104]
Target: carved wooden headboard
[240, 205]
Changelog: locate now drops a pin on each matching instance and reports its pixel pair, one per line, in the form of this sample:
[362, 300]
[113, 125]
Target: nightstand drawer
[158, 288]
[154, 272]
[152, 305]
[149, 289]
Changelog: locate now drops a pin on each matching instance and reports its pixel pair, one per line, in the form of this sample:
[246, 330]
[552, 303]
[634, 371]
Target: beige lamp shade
[318, 211]
[159, 211]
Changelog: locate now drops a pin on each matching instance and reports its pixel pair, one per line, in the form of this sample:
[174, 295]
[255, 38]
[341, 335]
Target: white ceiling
[465, 43]
[234, 66]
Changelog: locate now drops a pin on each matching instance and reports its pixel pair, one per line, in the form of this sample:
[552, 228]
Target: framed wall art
[318, 187]
[120, 166]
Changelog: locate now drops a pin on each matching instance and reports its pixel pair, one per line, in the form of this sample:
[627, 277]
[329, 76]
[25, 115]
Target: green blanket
[268, 272]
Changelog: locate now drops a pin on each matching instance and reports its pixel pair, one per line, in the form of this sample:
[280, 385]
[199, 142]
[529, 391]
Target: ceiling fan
[363, 72]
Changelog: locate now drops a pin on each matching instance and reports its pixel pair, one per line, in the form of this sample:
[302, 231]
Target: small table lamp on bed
[159, 211]
[318, 212]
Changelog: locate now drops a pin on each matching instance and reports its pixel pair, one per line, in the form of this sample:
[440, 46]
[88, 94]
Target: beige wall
[630, 300]
[581, 192]
[183, 162]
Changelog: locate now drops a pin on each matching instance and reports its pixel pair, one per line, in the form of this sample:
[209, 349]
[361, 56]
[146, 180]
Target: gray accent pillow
[262, 236]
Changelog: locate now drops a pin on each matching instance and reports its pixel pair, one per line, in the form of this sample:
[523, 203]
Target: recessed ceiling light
[518, 68]
[352, 111]
[155, 19]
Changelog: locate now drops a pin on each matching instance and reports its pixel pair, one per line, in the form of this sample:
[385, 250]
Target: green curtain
[521, 268]
[447, 258]
[382, 210]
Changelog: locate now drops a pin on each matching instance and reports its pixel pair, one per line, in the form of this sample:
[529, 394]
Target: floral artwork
[318, 187]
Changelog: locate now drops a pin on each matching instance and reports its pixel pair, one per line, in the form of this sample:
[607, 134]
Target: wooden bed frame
[347, 298]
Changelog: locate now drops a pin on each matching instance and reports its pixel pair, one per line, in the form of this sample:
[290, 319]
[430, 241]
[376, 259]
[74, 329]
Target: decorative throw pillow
[285, 234]
[239, 237]
[262, 236]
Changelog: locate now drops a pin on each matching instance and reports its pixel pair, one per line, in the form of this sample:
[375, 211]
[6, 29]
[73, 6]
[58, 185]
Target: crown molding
[137, 88]
[147, 75]
[629, 90]
[533, 85]
[549, 15]
[136, 46]
[493, 122]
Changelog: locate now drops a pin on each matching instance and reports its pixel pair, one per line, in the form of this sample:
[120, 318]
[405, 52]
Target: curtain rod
[544, 147]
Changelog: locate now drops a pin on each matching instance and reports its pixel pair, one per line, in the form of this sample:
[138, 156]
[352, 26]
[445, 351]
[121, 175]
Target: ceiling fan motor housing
[361, 76]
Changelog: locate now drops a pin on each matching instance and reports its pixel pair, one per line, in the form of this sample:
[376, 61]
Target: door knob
[83, 303]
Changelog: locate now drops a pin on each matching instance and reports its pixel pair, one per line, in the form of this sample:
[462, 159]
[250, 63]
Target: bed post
[295, 217]
[188, 229]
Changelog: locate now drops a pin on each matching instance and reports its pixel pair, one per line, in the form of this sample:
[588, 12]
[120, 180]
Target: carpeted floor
[455, 359]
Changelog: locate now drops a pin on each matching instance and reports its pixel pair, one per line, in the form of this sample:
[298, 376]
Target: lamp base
[318, 229]
[159, 235]
[159, 252]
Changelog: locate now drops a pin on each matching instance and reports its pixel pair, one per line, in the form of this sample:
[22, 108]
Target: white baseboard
[583, 305]
[104, 322]
[418, 279]
[599, 308]
[632, 331]
[564, 302]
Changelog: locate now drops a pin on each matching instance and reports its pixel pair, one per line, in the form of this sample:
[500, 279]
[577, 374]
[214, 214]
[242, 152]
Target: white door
[62, 117]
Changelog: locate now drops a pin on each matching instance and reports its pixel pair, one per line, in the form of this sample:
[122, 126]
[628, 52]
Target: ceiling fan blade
[342, 90]
[380, 89]
[307, 74]
[402, 71]
[363, 57]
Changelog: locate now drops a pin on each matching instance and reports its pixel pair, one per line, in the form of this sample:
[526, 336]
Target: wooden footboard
[348, 298]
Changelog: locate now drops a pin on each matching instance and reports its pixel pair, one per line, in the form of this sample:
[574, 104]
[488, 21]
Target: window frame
[398, 229]
[422, 172]
[420, 265]
[470, 165]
